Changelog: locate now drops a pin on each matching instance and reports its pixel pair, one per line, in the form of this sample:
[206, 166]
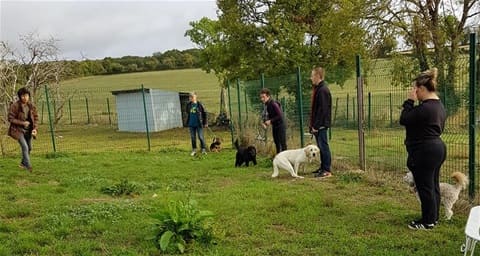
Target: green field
[59, 209]
[187, 80]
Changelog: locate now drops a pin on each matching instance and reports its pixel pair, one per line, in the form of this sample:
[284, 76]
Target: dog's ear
[306, 150]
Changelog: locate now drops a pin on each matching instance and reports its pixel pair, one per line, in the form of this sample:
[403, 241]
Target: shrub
[122, 188]
[180, 225]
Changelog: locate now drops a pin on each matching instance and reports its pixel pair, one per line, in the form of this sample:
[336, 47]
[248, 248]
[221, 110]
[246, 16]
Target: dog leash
[211, 132]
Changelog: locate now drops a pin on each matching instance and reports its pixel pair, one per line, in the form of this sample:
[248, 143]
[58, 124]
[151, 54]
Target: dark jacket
[275, 114]
[16, 117]
[201, 113]
[321, 115]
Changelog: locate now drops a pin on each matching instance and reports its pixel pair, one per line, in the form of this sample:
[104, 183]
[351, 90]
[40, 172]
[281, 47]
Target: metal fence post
[361, 134]
[70, 110]
[471, 115]
[52, 133]
[239, 106]
[246, 105]
[146, 118]
[88, 112]
[108, 110]
[300, 106]
[391, 109]
[41, 120]
[346, 121]
[262, 80]
[369, 110]
[230, 110]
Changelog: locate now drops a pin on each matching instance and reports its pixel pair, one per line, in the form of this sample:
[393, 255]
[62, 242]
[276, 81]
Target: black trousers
[279, 133]
[424, 161]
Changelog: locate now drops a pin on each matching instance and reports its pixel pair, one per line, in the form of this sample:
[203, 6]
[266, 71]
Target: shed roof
[147, 90]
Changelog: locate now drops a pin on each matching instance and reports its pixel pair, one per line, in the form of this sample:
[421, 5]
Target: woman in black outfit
[424, 124]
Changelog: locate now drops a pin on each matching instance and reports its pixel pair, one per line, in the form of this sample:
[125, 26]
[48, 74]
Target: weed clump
[123, 188]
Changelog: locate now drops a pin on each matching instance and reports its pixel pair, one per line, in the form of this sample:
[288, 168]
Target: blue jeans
[325, 155]
[193, 136]
[25, 142]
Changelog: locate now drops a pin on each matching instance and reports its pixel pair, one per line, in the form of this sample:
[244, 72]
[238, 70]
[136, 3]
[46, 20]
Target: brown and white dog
[216, 145]
[448, 192]
[291, 160]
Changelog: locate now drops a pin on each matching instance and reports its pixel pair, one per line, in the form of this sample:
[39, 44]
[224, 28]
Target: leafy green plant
[180, 225]
[123, 188]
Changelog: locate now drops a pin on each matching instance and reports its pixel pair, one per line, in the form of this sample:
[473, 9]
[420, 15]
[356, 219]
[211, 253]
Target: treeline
[172, 59]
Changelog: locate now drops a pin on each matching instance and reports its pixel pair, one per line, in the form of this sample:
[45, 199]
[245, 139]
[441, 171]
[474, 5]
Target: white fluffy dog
[448, 192]
[291, 160]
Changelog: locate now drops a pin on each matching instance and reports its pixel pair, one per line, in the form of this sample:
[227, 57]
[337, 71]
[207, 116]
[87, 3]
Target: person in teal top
[196, 120]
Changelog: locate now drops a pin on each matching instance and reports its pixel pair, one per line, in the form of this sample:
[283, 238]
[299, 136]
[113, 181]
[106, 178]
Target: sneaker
[317, 171]
[26, 168]
[323, 174]
[193, 153]
[420, 226]
[420, 221]
[204, 151]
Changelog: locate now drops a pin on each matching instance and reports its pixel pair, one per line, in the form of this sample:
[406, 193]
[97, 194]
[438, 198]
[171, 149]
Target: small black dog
[245, 155]
[216, 145]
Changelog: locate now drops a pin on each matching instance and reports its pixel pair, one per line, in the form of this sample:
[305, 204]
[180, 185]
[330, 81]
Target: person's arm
[410, 114]
[187, 111]
[204, 115]
[12, 115]
[322, 111]
[35, 117]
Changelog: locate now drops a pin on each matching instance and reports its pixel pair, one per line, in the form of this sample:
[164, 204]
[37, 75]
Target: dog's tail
[460, 180]
[236, 144]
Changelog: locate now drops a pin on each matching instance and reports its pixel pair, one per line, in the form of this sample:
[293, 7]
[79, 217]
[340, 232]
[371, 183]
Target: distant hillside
[186, 80]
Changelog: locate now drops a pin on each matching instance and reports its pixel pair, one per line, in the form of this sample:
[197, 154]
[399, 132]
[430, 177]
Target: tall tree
[434, 29]
[274, 37]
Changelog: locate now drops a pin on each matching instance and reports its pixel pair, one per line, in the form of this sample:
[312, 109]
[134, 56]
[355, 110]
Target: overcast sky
[98, 29]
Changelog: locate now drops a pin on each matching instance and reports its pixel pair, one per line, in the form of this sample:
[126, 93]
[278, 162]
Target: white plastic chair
[472, 231]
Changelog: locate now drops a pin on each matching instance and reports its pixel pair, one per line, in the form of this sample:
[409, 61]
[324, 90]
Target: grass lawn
[59, 209]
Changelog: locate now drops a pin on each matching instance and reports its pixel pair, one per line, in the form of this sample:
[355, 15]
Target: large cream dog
[291, 160]
[448, 192]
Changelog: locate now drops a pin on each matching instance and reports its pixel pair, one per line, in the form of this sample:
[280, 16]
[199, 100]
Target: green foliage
[404, 70]
[123, 188]
[180, 225]
[253, 37]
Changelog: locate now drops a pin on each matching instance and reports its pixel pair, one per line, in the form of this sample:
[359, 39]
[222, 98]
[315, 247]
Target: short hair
[427, 78]
[191, 94]
[320, 71]
[265, 91]
[23, 91]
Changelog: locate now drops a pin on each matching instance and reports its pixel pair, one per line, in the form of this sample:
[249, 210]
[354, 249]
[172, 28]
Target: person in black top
[273, 115]
[424, 123]
[320, 119]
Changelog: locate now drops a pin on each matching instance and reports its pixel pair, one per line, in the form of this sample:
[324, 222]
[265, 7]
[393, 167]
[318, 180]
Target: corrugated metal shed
[163, 110]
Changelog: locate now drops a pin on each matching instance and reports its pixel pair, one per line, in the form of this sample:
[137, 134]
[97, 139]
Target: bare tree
[35, 65]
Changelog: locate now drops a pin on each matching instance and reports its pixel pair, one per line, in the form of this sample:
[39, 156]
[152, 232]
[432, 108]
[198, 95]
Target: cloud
[98, 29]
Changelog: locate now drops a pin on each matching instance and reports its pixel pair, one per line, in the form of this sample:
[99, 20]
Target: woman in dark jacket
[424, 124]
[196, 120]
[23, 120]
